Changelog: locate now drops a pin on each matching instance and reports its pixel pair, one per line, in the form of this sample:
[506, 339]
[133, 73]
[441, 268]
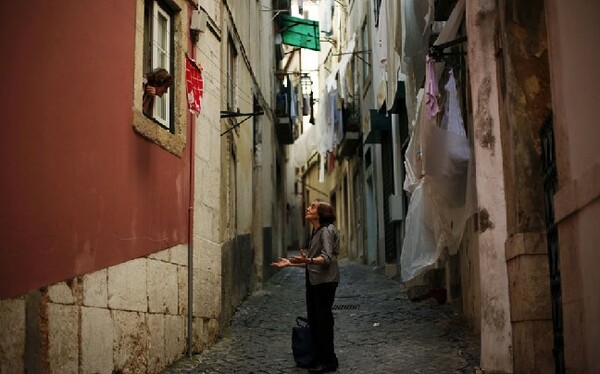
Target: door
[371, 222]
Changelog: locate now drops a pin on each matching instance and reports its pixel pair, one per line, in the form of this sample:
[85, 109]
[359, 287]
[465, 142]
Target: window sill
[173, 143]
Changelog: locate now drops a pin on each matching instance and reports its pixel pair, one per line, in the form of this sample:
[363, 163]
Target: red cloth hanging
[195, 85]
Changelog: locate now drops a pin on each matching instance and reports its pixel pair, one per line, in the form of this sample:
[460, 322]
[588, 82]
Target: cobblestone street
[378, 330]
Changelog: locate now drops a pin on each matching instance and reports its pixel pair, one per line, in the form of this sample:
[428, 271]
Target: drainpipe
[190, 304]
[191, 239]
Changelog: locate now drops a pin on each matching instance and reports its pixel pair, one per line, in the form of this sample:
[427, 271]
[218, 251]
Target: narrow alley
[160, 155]
[378, 330]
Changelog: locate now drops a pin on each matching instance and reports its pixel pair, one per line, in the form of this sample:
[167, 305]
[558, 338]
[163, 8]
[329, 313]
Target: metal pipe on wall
[190, 303]
[191, 242]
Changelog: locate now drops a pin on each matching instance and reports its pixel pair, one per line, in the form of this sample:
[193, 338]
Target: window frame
[162, 111]
[365, 47]
[232, 60]
[172, 138]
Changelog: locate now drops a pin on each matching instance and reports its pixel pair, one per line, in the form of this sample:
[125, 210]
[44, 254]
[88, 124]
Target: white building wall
[208, 189]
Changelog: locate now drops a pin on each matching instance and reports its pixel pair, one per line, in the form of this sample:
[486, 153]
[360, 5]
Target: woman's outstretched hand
[302, 259]
[281, 263]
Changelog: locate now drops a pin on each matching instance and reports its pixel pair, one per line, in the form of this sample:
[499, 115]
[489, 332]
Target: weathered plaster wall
[525, 102]
[525, 90]
[470, 278]
[496, 331]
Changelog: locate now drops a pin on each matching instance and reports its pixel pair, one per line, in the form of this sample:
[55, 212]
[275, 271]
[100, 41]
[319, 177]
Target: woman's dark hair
[325, 212]
[159, 78]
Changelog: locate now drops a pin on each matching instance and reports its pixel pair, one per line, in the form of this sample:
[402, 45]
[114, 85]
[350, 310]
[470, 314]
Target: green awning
[299, 32]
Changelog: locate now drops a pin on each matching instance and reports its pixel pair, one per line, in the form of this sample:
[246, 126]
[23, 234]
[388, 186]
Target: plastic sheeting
[440, 178]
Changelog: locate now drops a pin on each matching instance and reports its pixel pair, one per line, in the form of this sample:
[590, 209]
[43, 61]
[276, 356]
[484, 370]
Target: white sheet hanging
[343, 66]
[443, 197]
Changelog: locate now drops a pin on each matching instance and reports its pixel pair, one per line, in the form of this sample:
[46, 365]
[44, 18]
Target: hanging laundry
[331, 160]
[382, 34]
[452, 119]
[331, 105]
[431, 89]
[326, 9]
[293, 100]
[195, 85]
[338, 119]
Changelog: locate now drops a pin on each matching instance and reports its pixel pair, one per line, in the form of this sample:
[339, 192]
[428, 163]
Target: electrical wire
[244, 96]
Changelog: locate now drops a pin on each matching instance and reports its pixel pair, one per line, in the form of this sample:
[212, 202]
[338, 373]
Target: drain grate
[345, 307]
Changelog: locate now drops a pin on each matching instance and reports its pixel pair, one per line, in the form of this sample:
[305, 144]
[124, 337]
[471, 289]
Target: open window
[161, 43]
[365, 56]
[232, 55]
[158, 41]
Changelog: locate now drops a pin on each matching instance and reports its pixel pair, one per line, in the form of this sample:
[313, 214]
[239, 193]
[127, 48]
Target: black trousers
[319, 301]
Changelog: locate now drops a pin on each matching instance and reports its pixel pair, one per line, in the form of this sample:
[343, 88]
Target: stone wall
[128, 318]
[238, 276]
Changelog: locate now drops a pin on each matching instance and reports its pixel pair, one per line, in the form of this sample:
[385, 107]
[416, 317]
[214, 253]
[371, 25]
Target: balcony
[352, 133]
[284, 127]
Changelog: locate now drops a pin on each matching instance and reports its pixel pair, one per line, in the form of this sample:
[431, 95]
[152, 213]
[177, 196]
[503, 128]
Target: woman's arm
[303, 260]
[284, 262]
[329, 242]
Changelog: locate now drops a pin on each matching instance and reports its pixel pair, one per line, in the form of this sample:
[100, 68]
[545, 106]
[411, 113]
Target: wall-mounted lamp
[307, 97]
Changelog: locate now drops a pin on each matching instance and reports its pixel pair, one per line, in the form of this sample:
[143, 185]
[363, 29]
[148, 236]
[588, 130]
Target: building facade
[129, 237]
[515, 255]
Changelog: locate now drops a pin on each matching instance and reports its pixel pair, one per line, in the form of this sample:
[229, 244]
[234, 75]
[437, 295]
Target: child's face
[161, 90]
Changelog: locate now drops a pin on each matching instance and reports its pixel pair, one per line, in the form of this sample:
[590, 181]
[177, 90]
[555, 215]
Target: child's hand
[151, 90]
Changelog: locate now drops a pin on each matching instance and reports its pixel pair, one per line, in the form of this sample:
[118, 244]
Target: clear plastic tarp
[440, 179]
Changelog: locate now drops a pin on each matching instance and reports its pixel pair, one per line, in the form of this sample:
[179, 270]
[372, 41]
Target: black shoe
[323, 368]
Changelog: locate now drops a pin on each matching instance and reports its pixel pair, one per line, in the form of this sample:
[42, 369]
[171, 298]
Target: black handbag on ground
[302, 344]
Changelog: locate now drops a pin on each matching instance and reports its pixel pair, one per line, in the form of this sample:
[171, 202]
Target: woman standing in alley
[322, 278]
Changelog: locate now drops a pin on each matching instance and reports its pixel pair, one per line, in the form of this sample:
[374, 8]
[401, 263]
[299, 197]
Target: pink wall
[573, 30]
[80, 190]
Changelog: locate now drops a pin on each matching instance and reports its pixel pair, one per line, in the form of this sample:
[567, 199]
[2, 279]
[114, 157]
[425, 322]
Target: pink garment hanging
[431, 89]
[195, 85]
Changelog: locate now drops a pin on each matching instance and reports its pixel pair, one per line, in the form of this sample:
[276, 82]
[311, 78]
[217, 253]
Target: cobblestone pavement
[377, 330]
